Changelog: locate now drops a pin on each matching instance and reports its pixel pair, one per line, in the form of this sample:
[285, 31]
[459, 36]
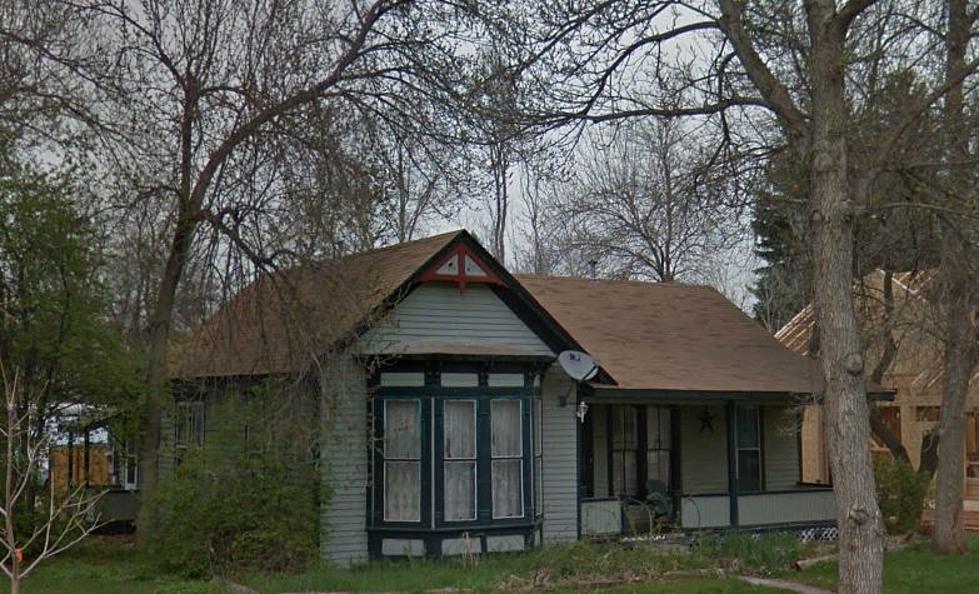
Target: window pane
[658, 466]
[657, 427]
[402, 491]
[460, 491]
[625, 480]
[625, 432]
[460, 429]
[749, 470]
[507, 429]
[402, 431]
[507, 489]
[747, 427]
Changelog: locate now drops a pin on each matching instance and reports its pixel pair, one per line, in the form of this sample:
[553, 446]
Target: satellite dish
[579, 366]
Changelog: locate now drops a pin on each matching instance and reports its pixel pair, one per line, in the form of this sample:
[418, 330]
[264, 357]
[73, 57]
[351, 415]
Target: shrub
[246, 500]
[901, 493]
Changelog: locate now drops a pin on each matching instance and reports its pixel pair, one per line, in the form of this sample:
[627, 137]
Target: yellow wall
[99, 468]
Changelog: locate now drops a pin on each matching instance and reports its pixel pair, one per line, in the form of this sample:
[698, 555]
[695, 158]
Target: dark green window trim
[432, 397]
[377, 464]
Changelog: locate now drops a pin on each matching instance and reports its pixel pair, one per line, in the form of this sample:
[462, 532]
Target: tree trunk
[960, 362]
[957, 291]
[847, 426]
[159, 334]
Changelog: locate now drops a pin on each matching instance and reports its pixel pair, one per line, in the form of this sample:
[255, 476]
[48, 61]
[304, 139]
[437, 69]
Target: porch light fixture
[706, 421]
[582, 411]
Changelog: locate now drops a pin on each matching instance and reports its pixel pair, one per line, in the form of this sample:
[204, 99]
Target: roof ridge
[630, 281]
[403, 244]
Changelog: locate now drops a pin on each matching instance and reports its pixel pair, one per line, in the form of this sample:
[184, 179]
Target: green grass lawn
[107, 566]
[911, 570]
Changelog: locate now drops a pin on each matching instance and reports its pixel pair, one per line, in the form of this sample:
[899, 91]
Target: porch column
[732, 458]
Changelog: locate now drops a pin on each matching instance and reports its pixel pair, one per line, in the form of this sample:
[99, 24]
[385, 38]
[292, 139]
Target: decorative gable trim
[461, 265]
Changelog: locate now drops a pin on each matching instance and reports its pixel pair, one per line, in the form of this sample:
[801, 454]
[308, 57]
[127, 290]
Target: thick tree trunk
[957, 286]
[841, 354]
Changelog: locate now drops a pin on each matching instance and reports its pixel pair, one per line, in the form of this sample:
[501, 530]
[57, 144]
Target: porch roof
[672, 337]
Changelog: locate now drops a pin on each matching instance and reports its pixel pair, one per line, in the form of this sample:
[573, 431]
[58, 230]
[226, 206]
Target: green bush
[246, 500]
[901, 493]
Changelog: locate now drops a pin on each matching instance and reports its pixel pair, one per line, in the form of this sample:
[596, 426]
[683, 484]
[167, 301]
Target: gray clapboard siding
[781, 450]
[703, 455]
[442, 314]
[705, 512]
[343, 387]
[560, 459]
[781, 508]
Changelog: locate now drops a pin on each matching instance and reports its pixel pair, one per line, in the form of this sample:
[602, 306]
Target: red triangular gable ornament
[461, 265]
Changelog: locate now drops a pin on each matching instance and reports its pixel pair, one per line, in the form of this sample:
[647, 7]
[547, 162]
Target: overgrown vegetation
[247, 498]
[901, 493]
[581, 566]
[743, 552]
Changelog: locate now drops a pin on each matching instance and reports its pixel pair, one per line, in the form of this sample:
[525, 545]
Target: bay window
[455, 458]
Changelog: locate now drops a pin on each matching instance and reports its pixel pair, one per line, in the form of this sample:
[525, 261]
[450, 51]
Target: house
[85, 453]
[915, 373]
[447, 427]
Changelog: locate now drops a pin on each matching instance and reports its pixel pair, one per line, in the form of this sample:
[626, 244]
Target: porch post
[732, 458]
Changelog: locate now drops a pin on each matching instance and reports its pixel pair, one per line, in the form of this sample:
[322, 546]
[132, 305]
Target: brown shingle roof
[668, 336]
[279, 323]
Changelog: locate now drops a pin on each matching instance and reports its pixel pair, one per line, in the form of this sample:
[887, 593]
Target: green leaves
[54, 324]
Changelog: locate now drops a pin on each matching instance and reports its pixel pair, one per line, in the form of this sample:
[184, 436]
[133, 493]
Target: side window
[749, 462]
[402, 460]
[658, 444]
[625, 451]
[188, 426]
[506, 436]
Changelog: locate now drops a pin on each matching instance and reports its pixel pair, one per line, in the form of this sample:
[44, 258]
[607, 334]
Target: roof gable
[281, 322]
[452, 319]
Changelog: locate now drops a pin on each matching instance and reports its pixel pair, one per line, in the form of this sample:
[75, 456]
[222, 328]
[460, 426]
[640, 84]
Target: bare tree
[65, 521]
[644, 204]
[791, 65]
[201, 98]
[43, 44]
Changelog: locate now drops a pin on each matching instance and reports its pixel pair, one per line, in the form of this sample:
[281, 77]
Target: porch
[651, 465]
